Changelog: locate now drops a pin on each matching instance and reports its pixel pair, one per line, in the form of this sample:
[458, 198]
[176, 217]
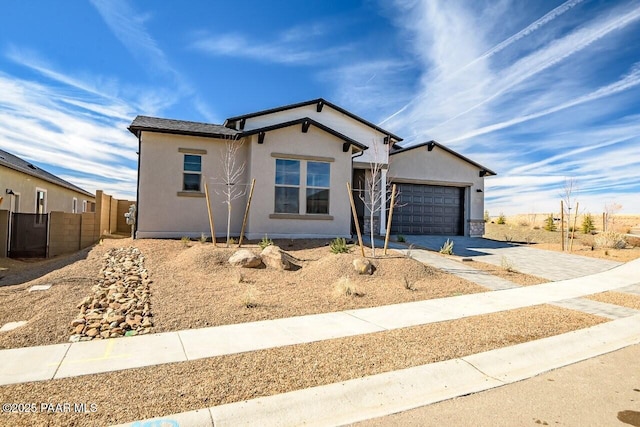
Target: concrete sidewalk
[393, 392]
[551, 265]
[68, 360]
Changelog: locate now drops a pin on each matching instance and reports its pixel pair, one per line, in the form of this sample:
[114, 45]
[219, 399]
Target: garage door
[429, 209]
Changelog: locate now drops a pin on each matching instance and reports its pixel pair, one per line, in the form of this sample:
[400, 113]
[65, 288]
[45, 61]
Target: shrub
[549, 224]
[250, 297]
[407, 284]
[487, 218]
[506, 264]
[185, 241]
[232, 241]
[401, 238]
[502, 219]
[587, 224]
[339, 246]
[345, 287]
[610, 240]
[203, 238]
[266, 241]
[447, 248]
[633, 241]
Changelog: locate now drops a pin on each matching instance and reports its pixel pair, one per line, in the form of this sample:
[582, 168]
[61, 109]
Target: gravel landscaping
[618, 298]
[193, 286]
[161, 390]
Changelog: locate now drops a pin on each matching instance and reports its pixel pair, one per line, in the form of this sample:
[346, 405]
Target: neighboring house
[301, 156]
[26, 188]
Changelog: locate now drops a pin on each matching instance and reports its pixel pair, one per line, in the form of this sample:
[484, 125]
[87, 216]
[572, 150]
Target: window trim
[74, 205]
[302, 187]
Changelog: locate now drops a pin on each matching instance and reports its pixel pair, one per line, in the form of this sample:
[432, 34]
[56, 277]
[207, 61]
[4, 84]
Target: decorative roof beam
[242, 122]
[482, 173]
[261, 137]
[346, 146]
[431, 146]
[305, 126]
[319, 106]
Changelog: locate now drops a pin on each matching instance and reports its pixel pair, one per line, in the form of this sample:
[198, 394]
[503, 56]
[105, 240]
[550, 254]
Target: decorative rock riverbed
[120, 304]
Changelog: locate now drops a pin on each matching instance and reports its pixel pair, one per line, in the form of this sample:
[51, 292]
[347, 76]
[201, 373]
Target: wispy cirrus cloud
[294, 46]
[528, 106]
[68, 127]
[128, 26]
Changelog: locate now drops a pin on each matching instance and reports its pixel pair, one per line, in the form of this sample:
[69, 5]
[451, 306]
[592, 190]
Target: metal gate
[28, 235]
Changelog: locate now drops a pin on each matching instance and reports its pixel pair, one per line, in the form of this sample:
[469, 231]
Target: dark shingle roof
[183, 127]
[16, 163]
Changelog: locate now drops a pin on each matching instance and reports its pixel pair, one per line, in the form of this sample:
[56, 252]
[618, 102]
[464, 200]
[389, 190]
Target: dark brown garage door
[429, 209]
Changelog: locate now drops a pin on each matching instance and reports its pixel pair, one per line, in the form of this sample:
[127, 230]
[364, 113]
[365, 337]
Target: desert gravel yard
[618, 298]
[193, 286]
[160, 390]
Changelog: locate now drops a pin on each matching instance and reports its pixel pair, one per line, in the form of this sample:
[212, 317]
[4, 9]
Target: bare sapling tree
[570, 186]
[232, 170]
[610, 211]
[376, 194]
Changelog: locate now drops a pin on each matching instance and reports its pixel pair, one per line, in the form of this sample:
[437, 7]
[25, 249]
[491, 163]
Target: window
[287, 186]
[74, 205]
[41, 201]
[192, 172]
[84, 206]
[317, 188]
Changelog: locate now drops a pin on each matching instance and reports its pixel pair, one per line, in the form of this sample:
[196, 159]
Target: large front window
[290, 184]
[192, 172]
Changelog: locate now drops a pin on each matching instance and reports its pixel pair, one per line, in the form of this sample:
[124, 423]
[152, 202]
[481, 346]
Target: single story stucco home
[301, 157]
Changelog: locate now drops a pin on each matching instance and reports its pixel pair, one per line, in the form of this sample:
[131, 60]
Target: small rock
[105, 334]
[75, 338]
[245, 258]
[78, 329]
[77, 322]
[92, 332]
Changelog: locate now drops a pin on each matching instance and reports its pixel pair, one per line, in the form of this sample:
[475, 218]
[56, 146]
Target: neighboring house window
[74, 205]
[287, 186]
[192, 172]
[84, 206]
[318, 187]
[41, 201]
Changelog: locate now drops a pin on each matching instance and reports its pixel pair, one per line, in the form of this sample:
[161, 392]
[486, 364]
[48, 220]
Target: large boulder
[245, 258]
[274, 257]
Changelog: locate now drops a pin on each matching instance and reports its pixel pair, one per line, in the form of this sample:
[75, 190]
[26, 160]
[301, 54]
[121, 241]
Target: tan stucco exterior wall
[164, 210]
[58, 198]
[291, 141]
[439, 167]
[335, 120]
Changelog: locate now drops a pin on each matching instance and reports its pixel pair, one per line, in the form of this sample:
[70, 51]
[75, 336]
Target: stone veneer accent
[476, 227]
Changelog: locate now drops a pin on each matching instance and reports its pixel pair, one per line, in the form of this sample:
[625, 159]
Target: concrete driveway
[550, 265]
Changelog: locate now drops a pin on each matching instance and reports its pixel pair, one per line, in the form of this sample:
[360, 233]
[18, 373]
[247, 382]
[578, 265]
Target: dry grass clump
[610, 240]
[345, 287]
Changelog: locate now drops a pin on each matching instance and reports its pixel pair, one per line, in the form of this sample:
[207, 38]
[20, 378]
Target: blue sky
[540, 91]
